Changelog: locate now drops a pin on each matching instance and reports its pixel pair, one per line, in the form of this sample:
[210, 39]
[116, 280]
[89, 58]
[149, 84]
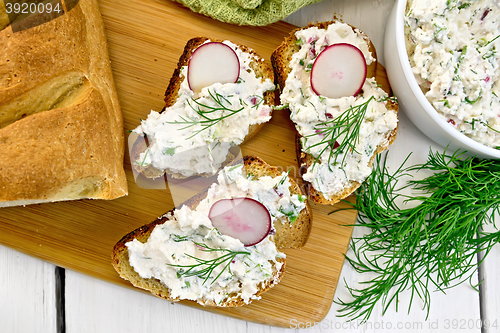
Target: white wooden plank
[27, 293]
[96, 306]
[490, 289]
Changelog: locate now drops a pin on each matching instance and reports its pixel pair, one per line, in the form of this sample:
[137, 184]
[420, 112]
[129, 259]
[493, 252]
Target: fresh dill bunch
[205, 267]
[346, 125]
[204, 112]
[434, 244]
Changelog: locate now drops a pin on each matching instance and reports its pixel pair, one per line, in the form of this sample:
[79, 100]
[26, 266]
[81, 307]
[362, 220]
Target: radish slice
[243, 218]
[338, 71]
[211, 63]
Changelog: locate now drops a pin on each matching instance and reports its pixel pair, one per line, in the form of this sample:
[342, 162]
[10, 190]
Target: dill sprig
[204, 268]
[346, 125]
[432, 245]
[491, 41]
[282, 180]
[204, 111]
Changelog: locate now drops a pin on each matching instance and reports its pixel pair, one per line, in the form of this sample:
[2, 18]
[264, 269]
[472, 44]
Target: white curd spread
[313, 114]
[183, 141]
[185, 237]
[452, 46]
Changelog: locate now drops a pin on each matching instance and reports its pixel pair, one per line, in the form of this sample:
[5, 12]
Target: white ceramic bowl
[411, 98]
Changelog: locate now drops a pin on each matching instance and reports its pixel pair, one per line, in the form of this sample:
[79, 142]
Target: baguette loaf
[287, 66]
[287, 235]
[205, 158]
[61, 131]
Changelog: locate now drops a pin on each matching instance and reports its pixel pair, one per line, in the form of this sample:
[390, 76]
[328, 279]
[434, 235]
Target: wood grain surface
[145, 39]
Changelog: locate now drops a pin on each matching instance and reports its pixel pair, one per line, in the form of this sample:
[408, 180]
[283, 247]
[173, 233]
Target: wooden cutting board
[145, 38]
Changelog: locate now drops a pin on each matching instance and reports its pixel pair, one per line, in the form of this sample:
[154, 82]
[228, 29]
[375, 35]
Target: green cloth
[246, 12]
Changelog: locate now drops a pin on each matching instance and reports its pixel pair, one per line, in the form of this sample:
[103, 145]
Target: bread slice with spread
[196, 130]
[182, 256]
[61, 126]
[337, 138]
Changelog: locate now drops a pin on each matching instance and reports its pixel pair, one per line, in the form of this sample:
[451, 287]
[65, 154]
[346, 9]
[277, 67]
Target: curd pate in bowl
[443, 65]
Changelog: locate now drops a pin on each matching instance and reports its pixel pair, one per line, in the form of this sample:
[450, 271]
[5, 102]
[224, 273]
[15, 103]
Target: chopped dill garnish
[169, 151]
[178, 238]
[462, 54]
[257, 104]
[445, 102]
[468, 101]
[302, 93]
[491, 41]
[291, 215]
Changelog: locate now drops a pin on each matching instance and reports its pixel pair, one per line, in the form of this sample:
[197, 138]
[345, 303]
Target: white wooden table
[39, 297]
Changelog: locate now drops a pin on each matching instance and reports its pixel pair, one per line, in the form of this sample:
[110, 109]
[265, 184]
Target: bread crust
[74, 150]
[261, 69]
[280, 60]
[293, 236]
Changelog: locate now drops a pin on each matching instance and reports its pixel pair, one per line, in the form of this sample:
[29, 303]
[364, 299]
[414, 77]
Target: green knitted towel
[246, 12]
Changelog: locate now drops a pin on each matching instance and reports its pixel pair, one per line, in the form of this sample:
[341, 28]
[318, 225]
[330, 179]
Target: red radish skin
[212, 62]
[243, 218]
[339, 71]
